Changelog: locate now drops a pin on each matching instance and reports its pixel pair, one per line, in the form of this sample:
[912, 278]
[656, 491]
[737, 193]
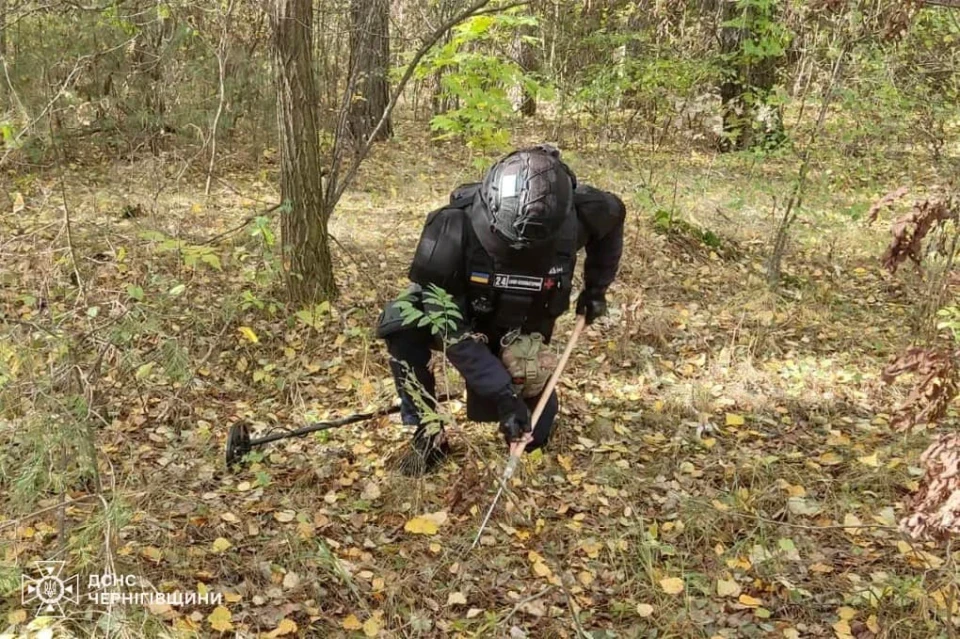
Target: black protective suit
[523, 288]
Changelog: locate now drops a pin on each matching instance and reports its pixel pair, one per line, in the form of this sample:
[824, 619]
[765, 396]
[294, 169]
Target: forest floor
[723, 465]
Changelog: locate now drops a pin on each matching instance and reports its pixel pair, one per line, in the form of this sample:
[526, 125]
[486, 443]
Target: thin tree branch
[338, 187]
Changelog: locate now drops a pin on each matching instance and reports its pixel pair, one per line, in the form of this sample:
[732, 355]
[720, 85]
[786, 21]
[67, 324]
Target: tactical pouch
[529, 362]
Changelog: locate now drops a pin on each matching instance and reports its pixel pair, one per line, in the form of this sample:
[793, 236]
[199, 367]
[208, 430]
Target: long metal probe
[516, 449]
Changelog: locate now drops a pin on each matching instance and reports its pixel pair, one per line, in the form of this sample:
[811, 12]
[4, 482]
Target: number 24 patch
[517, 282]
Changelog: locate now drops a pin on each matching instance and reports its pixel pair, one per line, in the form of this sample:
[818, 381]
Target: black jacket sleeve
[601, 215]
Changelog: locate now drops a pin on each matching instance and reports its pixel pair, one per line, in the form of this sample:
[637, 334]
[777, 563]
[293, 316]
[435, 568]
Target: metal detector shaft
[327, 425]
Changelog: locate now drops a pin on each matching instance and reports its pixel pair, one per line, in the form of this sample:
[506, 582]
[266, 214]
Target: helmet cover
[527, 197]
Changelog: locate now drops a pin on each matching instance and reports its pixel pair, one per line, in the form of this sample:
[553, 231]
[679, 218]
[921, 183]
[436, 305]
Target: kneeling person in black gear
[505, 250]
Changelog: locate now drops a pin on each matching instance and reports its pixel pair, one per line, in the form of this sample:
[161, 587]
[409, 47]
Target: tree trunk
[732, 107]
[747, 85]
[3, 55]
[308, 267]
[529, 63]
[369, 65]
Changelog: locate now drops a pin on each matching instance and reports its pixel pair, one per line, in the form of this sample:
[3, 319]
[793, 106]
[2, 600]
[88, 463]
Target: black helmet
[526, 198]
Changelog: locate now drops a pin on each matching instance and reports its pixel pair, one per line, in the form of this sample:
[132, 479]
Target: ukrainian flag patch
[479, 278]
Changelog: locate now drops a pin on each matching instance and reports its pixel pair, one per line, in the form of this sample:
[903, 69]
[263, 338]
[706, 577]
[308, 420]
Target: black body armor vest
[499, 297]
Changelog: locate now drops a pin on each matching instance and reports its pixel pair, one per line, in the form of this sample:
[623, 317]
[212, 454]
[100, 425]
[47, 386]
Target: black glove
[592, 304]
[514, 416]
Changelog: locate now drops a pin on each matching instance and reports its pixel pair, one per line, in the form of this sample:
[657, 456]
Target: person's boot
[426, 453]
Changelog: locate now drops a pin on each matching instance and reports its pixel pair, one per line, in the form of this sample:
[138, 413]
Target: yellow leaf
[541, 569]
[873, 625]
[870, 460]
[734, 420]
[456, 599]
[842, 628]
[371, 627]
[644, 610]
[728, 588]
[285, 627]
[830, 459]
[791, 633]
[219, 619]
[284, 516]
[18, 203]
[220, 544]
[232, 597]
[851, 524]
[672, 585]
[821, 568]
[421, 526]
[846, 612]
[351, 623]
[748, 601]
[592, 548]
[152, 553]
[16, 616]
[586, 578]
[247, 332]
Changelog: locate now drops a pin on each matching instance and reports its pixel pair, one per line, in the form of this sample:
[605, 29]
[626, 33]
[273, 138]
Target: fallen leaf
[152, 553]
[16, 616]
[285, 627]
[748, 601]
[351, 623]
[291, 580]
[248, 333]
[541, 569]
[284, 516]
[371, 627]
[473, 612]
[846, 612]
[851, 524]
[591, 547]
[734, 419]
[219, 619]
[644, 610]
[801, 506]
[439, 517]
[830, 459]
[421, 526]
[728, 588]
[870, 460]
[221, 544]
[672, 585]
[370, 491]
[456, 599]
[842, 629]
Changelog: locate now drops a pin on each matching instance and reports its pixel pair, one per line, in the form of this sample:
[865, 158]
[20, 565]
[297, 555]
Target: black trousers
[410, 351]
